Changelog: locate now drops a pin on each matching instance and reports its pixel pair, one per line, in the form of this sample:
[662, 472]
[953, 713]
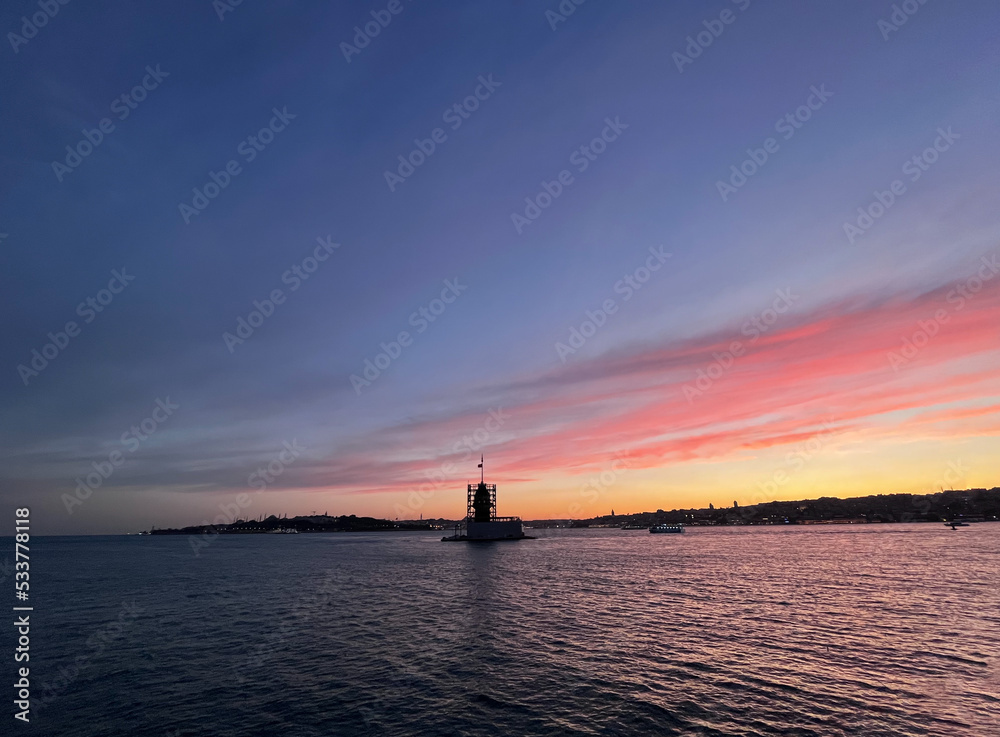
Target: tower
[482, 503]
[481, 521]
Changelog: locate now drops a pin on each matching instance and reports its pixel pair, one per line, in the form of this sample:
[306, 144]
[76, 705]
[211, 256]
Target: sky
[323, 257]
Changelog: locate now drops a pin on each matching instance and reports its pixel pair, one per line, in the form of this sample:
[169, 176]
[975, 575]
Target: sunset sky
[760, 337]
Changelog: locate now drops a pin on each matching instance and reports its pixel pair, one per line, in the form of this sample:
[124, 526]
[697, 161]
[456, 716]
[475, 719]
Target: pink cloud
[833, 362]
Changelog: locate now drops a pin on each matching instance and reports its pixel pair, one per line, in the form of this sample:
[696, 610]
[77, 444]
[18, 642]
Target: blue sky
[323, 175]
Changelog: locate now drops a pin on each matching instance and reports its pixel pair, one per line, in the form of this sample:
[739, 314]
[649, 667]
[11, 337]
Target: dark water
[880, 630]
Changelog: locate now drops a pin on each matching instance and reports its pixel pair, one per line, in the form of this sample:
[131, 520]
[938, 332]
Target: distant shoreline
[970, 505]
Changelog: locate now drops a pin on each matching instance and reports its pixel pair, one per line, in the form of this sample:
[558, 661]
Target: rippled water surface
[866, 630]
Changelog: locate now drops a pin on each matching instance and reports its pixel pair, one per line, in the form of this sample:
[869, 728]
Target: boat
[481, 523]
[666, 528]
[955, 524]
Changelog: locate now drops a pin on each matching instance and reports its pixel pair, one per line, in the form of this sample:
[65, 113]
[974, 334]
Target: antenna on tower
[482, 472]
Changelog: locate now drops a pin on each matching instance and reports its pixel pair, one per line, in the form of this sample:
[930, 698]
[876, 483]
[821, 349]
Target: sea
[820, 630]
